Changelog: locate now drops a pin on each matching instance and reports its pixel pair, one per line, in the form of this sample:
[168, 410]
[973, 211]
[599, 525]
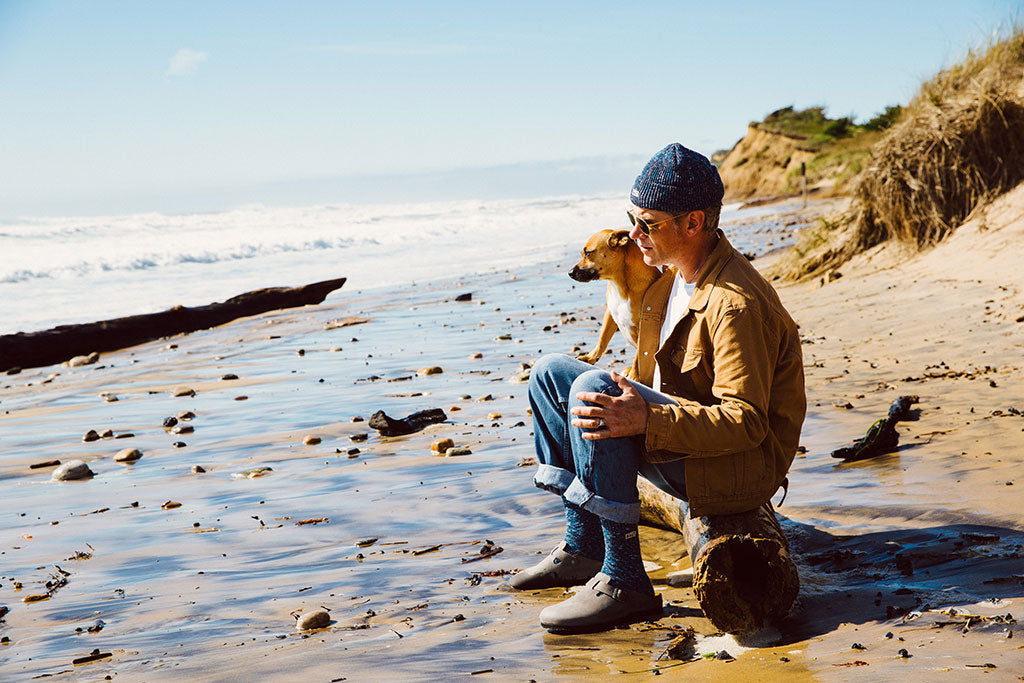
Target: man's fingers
[594, 397]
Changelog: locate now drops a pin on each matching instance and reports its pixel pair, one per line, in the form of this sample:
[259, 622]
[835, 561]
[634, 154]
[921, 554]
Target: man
[712, 416]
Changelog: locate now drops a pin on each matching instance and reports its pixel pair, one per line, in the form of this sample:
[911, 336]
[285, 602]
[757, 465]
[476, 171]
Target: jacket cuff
[659, 421]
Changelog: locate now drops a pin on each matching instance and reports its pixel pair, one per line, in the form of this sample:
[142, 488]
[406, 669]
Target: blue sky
[113, 106]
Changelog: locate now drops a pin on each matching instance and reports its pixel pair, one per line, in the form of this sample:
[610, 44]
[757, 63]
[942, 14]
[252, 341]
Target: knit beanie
[677, 180]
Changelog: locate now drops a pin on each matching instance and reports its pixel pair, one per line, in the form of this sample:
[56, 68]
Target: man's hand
[613, 416]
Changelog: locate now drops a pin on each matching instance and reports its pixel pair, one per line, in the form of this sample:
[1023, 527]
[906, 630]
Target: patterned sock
[583, 532]
[622, 560]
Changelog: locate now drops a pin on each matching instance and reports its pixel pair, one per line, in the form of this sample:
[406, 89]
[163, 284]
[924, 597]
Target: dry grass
[959, 143]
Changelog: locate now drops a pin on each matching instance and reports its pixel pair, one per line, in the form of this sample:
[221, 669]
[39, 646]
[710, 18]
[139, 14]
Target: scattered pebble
[361, 436]
[79, 361]
[312, 620]
[432, 370]
[107, 434]
[109, 398]
[242, 398]
[476, 356]
[442, 445]
[357, 418]
[170, 422]
[179, 444]
[253, 473]
[198, 469]
[311, 440]
[486, 397]
[493, 416]
[183, 429]
[230, 376]
[91, 435]
[38, 465]
[74, 469]
[170, 505]
[184, 391]
[127, 455]
[186, 415]
[457, 450]
[353, 452]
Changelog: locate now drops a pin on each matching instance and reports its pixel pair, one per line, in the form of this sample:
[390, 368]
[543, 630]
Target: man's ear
[619, 238]
[695, 221]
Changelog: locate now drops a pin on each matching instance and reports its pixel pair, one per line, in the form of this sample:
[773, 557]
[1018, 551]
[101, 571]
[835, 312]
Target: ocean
[62, 270]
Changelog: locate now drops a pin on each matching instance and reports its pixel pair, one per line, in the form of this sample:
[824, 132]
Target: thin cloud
[392, 49]
[185, 62]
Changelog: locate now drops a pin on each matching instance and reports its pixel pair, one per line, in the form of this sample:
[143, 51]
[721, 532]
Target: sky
[183, 106]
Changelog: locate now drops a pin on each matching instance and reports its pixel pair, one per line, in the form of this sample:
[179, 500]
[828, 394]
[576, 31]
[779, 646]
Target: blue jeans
[598, 476]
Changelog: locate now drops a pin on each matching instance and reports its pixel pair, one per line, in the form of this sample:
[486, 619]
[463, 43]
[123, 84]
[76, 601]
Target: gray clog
[559, 569]
[599, 606]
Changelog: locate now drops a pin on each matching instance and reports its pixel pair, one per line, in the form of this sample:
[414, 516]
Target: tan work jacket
[735, 366]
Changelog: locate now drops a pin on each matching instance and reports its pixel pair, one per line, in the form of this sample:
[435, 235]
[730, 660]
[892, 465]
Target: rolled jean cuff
[623, 513]
[554, 479]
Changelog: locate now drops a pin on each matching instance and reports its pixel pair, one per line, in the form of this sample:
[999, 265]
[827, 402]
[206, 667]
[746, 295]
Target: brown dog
[611, 255]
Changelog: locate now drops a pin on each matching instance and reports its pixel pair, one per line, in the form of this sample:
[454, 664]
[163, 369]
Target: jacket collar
[708, 273]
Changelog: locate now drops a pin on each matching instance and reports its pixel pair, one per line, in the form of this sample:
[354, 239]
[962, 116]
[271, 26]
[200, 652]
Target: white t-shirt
[678, 305]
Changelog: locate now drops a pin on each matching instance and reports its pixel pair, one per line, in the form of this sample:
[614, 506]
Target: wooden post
[743, 575]
[803, 181]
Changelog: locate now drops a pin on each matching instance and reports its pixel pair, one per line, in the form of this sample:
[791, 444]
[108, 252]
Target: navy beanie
[677, 180]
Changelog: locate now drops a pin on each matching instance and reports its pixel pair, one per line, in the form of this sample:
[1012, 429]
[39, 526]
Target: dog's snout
[582, 274]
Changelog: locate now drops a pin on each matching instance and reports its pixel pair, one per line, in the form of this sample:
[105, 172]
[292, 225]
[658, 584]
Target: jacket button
[648, 308]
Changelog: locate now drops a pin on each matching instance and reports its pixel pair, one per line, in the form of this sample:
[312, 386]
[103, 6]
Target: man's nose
[636, 233]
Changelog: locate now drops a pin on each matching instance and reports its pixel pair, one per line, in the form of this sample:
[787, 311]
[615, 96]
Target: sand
[206, 590]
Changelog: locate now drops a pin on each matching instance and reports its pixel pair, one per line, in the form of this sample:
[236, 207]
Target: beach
[184, 574]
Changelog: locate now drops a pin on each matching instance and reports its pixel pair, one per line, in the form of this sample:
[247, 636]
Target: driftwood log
[881, 437]
[743, 575]
[36, 349]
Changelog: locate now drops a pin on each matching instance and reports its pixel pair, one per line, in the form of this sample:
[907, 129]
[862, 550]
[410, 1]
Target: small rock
[171, 505]
[186, 415]
[107, 434]
[903, 653]
[521, 377]
[493, 416]
[179, 444]
[243, 397]
[108, 397]
[69, 471]
[198, 469]
[184, 391]
[468, 296]
[486, 397]
[457, 450]
[170, 422]
[253, 473]
[183, 429]
[361, 436]
[91, 435]
[230, 376]
[13, 371]
[312, 620]
[476, 356]
[683, 578]
[442, 445]
[353, 452]
[39, 465]
[125, 435]
[356, 418]
[432, 370]
[311, 440]
[300, 352]
[127, 455]
[79, 361]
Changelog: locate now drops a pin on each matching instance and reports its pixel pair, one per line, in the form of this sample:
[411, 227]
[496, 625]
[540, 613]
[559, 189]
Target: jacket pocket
[687, 359]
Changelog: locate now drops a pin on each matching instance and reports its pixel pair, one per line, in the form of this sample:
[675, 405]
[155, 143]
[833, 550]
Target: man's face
[665, 244]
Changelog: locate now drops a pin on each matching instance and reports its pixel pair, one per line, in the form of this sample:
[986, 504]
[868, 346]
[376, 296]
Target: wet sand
[206, 590]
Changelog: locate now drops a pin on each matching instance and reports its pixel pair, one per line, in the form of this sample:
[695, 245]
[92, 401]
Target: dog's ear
[619, 238]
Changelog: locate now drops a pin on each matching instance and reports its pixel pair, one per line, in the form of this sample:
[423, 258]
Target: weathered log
[390, 426]
[743, 575]
[36, 349]
[881, 437]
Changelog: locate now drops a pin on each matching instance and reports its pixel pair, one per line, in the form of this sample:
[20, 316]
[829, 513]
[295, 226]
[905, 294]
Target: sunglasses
[645, 226]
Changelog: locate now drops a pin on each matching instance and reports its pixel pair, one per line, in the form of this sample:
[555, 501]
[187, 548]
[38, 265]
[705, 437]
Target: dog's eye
[589, 252]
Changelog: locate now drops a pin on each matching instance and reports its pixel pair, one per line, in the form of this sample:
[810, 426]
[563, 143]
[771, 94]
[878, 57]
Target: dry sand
[205, 591]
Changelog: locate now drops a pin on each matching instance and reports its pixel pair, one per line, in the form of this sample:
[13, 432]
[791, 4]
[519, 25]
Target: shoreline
[179, 600]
